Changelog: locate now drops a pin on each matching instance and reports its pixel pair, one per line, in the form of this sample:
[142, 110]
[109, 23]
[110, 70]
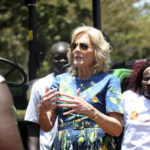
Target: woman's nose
[77, 47]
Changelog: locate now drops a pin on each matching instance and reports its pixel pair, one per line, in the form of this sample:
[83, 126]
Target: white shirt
[136, 122]
[38, 90]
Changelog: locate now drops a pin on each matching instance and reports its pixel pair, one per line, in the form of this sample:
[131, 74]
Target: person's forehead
[60, 49]
[83, 37]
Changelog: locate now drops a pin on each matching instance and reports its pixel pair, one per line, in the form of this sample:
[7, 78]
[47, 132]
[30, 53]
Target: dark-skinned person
[59, 62]
[10, 138]
[136, 107]
[86, 99]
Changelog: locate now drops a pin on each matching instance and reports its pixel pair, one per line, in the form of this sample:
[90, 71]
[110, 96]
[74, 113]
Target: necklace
[85, 84]
[82, 84]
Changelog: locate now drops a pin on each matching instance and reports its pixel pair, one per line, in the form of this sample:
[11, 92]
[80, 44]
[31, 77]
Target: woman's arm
[111, 124]
[47, 120]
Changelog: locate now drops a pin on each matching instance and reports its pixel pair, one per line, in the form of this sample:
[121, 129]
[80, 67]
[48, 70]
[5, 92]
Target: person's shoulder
[129, 98]
[45, 79]
[64, 75]
[128, 92]
[106, 75]
[48, 77]
[130, 95]
[113, 76]
[41, 83]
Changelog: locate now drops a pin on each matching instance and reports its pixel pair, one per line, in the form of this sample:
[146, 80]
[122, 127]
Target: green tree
[55, 21]
[126, 25]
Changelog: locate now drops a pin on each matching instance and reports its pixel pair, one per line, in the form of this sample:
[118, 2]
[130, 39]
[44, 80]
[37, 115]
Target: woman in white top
[136, 106]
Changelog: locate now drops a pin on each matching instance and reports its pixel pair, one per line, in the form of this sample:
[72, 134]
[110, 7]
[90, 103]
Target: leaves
[126, 25]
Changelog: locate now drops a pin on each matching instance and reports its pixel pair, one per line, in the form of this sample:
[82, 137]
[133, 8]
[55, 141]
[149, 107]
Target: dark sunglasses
[83, 46]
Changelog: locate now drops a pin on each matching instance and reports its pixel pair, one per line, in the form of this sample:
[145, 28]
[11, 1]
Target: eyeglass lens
[82, 46]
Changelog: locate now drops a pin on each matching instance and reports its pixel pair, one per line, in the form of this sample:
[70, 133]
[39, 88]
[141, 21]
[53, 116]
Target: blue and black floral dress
[78, 131]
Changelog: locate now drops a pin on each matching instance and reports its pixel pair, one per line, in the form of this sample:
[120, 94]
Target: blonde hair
[102, 49]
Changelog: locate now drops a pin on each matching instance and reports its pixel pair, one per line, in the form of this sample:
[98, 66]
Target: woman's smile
[78, 58]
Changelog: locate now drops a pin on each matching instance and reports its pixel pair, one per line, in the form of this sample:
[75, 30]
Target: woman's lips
[78, 56]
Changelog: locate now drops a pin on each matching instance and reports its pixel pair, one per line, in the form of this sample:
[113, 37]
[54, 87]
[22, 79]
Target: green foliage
[55, 22]
[126, 25]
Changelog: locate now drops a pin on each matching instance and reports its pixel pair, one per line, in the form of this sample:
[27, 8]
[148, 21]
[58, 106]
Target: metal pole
[32, 37]
[97, 14]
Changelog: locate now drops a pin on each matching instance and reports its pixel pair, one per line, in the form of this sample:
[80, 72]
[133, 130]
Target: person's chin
[78, 63]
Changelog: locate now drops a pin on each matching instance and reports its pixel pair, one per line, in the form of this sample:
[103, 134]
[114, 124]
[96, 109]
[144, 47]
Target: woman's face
[146, 82]
[83, 51]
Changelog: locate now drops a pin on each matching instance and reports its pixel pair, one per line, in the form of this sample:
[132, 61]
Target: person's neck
[85, 73]
[57, 72]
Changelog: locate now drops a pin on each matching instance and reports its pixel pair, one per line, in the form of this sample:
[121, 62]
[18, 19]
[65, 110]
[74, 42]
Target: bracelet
[95, 116]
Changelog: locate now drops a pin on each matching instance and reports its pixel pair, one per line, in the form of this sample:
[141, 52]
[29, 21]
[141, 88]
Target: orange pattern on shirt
[133, 115]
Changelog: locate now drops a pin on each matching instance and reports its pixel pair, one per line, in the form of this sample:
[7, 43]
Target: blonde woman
[86, 99]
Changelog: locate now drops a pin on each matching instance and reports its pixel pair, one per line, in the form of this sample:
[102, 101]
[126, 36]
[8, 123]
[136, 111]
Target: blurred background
[125, 22]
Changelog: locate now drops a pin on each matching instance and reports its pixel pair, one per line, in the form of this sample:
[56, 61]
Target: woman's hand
[47, 115]
[111, 124]
[77, 104]
[47, 101]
